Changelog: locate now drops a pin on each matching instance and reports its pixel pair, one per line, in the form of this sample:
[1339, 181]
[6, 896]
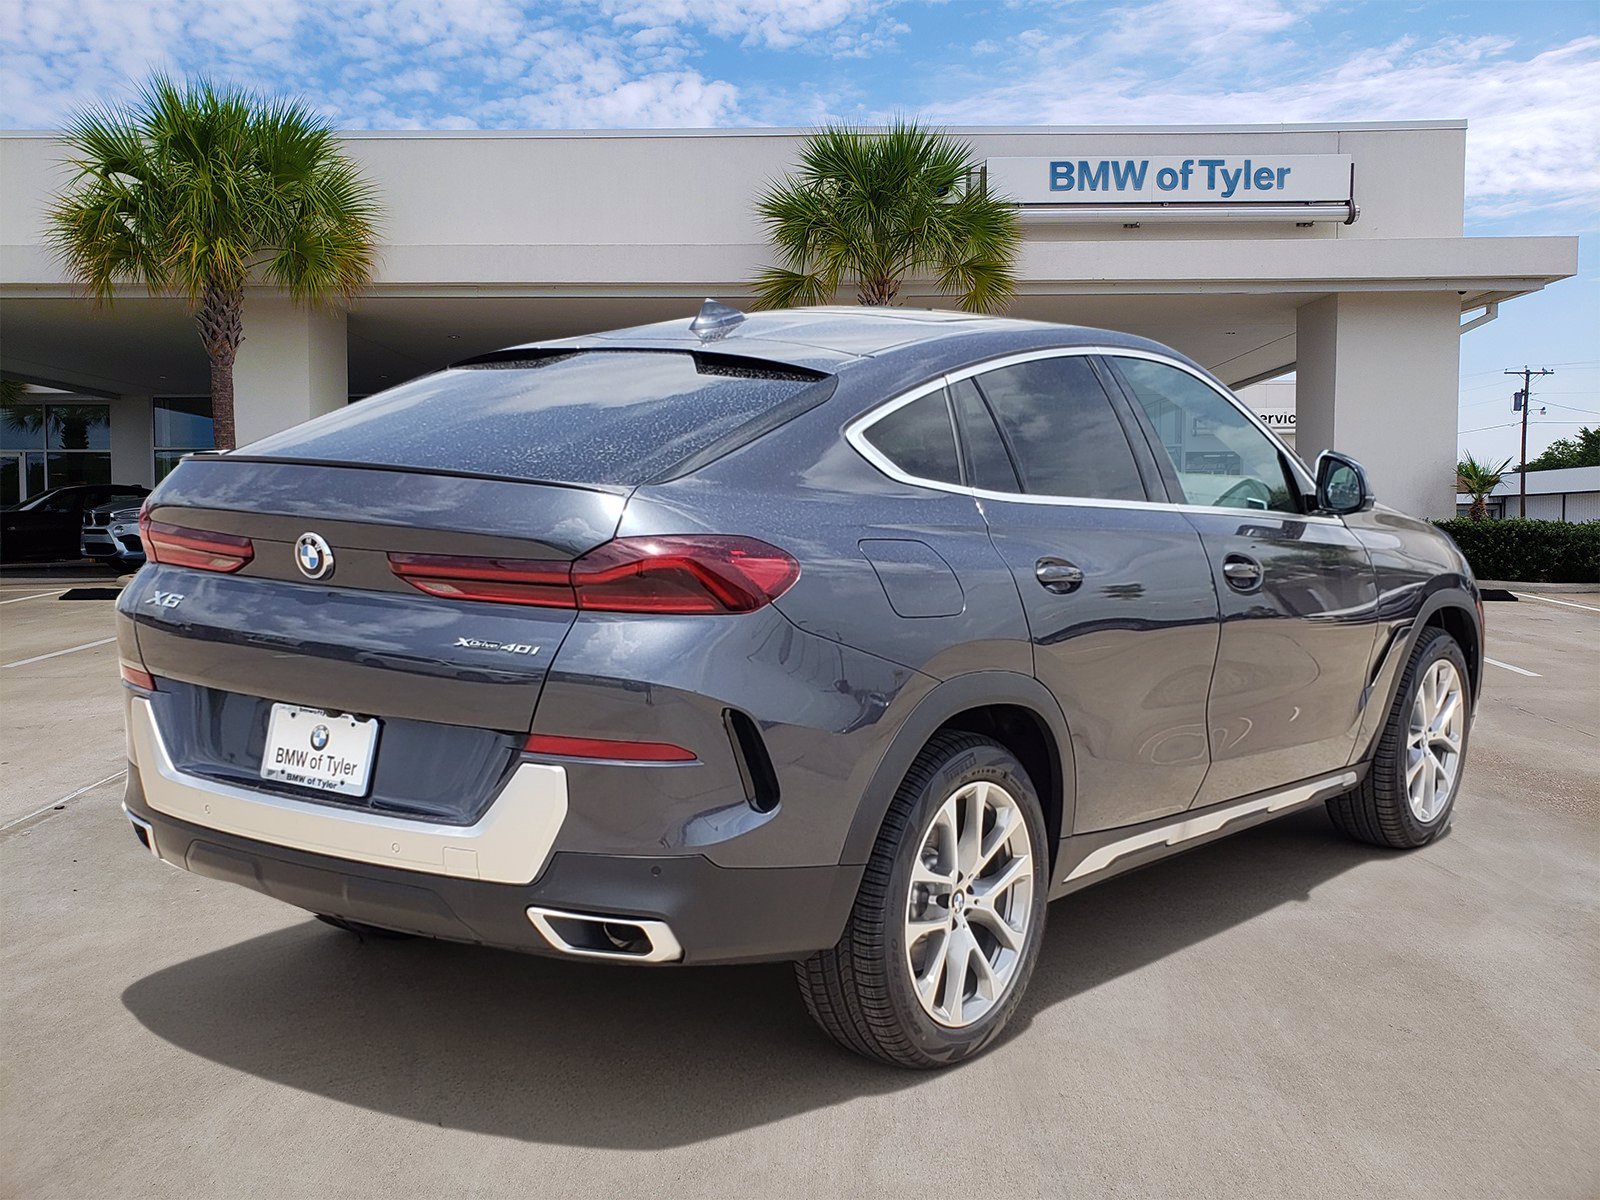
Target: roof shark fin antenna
[715, 321]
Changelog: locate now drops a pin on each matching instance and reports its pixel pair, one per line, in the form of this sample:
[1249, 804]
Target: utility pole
[1524, 401]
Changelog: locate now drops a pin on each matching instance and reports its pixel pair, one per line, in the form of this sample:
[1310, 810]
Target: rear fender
[947, 700]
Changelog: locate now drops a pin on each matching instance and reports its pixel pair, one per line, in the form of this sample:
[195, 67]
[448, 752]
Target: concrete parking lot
[1283, 1013]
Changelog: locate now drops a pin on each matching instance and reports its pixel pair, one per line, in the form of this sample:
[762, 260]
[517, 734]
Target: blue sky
[1524, 75]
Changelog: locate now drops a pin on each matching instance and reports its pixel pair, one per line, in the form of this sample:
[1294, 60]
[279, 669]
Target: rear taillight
[679, 574]
[137, 677]
[177, 546]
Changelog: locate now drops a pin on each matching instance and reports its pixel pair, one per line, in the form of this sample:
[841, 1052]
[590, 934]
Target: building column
[1377, 377]
[132, 441]
[293, 365]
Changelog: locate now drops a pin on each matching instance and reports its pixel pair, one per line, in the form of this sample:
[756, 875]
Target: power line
[1513, 425]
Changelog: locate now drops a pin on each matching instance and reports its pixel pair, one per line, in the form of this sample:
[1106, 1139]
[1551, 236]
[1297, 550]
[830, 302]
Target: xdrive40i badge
[471, 643]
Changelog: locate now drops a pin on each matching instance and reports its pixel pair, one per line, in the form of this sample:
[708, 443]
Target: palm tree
[196, 190]
[871, 208]
[1478, 480]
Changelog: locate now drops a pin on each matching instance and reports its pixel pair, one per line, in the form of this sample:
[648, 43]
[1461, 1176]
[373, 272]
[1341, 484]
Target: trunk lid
[361, 640]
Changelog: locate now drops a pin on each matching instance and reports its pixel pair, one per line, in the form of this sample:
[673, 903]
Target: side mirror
[1342, 485]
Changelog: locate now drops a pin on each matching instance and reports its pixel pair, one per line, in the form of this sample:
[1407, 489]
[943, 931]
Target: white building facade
[1334, 252]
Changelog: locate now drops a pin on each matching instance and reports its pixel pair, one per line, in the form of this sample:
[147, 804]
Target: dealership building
[1333, 252]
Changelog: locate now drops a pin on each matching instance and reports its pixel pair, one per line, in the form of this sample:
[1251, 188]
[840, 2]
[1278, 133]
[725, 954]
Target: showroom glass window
[48, 445]
[1061, 430]
[1222, 459]
[182, 426]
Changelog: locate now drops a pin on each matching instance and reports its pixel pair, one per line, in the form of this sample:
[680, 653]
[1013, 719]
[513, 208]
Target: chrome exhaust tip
[144, 831]
[619, 939]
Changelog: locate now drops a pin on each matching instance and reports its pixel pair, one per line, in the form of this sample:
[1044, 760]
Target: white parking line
[35, 596]
[88, 787]
[1548, 600]
[22, 662]
[1495, 662]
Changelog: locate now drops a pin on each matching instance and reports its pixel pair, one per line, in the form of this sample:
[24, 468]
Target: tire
[363, 930]
[864, 991]
[1384, 810]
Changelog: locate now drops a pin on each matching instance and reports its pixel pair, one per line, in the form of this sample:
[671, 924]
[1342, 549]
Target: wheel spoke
[930, 877]
[988, 892]
[931, 977]
[1002, 929]
[953, 988]
[969, 844]
[1447, 711]
[1005, 823]
[933, 921]
[987, 985]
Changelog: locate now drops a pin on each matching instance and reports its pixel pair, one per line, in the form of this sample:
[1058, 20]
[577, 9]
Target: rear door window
[919, 439]
[1063, 434]
[595, 417]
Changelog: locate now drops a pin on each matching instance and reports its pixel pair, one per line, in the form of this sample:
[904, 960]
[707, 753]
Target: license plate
[319, 750]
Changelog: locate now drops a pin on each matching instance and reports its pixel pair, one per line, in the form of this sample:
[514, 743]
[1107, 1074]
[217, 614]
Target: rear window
[600, 417]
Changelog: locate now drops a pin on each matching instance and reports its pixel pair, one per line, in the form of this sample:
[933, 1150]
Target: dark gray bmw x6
[839, 636]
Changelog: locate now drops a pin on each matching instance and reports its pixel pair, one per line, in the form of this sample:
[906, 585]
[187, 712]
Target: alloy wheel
[1433, 740]
[970, 909]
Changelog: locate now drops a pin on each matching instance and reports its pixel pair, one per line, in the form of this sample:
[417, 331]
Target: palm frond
[195, 188]
[875, 208]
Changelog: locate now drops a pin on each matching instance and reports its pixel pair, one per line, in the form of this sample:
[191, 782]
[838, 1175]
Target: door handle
[1058, 575]
[1242, 572]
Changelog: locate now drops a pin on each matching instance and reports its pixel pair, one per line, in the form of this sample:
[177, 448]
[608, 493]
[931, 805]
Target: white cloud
[1533, 138]
[1534, 114]
[778, 24]
[382, 63]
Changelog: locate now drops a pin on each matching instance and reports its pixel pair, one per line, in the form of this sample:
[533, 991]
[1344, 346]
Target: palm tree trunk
[221, 321]
[1479, 509]
[876, 293]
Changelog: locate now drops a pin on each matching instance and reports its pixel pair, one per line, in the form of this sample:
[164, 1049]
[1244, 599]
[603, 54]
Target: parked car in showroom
[50, 525]
[111, 536]
[849, 637]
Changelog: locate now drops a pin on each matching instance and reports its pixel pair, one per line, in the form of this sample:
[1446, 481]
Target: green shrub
[1529, 551]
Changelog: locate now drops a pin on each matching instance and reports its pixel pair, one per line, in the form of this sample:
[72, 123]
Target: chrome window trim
[855, 434]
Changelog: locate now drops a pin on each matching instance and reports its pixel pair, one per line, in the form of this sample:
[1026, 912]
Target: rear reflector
[680, 574]
[138, 678]
[574, 747]
[177, 546]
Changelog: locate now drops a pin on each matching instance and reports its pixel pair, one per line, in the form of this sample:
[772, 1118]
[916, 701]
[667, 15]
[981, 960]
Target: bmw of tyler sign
[1223, 179]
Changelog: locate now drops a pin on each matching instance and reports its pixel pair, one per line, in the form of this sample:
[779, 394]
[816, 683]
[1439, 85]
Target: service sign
[1279, 420]
[1222, 178]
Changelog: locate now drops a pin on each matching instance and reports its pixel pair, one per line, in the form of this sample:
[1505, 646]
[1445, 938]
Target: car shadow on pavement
[592, 1055]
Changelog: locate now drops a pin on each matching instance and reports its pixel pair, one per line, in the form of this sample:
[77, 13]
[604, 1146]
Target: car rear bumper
[713, 914]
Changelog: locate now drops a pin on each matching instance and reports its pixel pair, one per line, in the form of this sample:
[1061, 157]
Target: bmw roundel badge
[313, 556]
[319, 738]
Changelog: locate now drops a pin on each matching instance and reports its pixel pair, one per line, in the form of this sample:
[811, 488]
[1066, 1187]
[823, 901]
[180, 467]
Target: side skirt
[1091, 857]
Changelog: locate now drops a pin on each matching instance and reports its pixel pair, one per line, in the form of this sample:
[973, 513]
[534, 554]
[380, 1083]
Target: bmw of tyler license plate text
[315, 749]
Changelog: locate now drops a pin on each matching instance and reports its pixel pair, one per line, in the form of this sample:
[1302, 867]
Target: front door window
[1222, 459]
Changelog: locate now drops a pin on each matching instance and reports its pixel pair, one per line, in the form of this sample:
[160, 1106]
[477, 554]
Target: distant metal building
[1569, 494]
